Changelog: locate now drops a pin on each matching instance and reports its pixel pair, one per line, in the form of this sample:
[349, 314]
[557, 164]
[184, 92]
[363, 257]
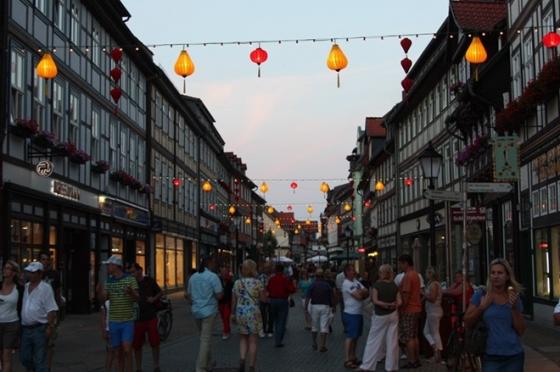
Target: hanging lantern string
[138, 47]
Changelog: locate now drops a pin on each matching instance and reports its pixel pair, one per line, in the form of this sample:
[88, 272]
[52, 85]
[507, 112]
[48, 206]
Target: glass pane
[15, 231]
[26, 256]
[116, 246]
[541, 263]
[170, 242]
[179, 244]
[25, 232]
[52, 235]
[171, 274]
[37, 233]
[555, 254]
[54, 258]
[180, 268]
[140, 248]
[159, 241]
[160, 267]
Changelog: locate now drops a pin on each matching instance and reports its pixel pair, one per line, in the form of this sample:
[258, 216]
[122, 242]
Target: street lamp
[431, 160]
[348, 234]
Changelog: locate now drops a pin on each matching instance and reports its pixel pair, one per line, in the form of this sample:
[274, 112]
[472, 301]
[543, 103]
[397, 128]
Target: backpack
[476, 336]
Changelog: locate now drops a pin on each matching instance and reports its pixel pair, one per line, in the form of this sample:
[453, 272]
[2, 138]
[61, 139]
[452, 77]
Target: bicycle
[164, 318]
[458, 359]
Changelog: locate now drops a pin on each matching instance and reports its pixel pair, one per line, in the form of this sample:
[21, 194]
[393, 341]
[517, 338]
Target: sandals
[351, 364]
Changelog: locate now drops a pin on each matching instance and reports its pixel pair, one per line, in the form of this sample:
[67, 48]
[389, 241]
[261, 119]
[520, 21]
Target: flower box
[64, 148]
[100, 166]
[25, 128]
[44, 139]
[146, 189]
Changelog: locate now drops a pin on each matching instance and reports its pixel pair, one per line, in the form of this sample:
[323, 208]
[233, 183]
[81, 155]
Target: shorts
[141, 327]
[9, 335]
[121, 332]
[353, 325]
[320, 318]
[408, 326]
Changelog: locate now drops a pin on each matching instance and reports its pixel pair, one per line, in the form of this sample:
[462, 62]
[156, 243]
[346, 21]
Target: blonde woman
[501, 309]
[11, 295]
[247, 294]
[434, 312]
[383, 335]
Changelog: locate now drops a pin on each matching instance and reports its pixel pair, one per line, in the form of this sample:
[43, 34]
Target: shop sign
[506, 159]
[44, 168]
[65, 190]
[113, 208]
[473, 215]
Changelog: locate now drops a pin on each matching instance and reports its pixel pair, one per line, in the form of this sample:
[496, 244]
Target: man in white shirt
[557, 314]
[353, 295]
[38, 319]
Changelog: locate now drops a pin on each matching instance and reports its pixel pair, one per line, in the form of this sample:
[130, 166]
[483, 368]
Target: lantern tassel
[338, 79]
[259, 73]
[184, 86]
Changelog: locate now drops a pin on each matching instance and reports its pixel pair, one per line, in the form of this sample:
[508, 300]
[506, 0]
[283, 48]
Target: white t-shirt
[351, 305]
[399, 277]
[37, 304]
[339, 280]
[557, 308]
[8, 306]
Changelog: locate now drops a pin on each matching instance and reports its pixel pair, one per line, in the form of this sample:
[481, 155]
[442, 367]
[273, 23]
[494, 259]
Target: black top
[320, 293]
[52, 277]
[147, 287]
[227, 285]
[386, 292]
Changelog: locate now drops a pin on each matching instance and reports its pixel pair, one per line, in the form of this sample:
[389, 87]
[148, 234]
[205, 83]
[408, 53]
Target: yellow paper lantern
[309, 209]
[248, 220]
[308, 222]
[476, 53]
[270, 210]
[184, 66]
[46, 68]
[337, 220]
[325, 188]
[232, 210]
[347, 207]
[264, 188]
[277, 221]
[379, 186]
[337, 61]
[296, 231]
[207, 186]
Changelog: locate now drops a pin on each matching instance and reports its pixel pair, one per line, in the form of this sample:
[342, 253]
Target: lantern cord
[184, 86]
[259, 73]
[338, 79]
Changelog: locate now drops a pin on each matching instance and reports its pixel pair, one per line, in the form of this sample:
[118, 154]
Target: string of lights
[334, 39]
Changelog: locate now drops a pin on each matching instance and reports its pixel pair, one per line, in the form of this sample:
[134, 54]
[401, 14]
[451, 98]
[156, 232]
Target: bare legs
[248, 350]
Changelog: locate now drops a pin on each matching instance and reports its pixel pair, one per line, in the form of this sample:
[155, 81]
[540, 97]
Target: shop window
[26, 240]
[554, 255]
[170, 261]
[180, 263]
[116, 246]
[160, 267]
[141, 255]
[542, 263]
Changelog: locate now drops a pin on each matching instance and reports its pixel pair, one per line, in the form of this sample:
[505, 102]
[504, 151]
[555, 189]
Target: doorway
[76, 249]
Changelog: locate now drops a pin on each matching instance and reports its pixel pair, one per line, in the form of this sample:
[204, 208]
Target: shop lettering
[65, 190]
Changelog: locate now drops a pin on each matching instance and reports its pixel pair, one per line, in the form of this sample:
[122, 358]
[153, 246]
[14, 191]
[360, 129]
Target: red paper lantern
[406, 43]
[406, 64]
[290, 207]
[408, 181]
[551, 40]
[259, 56]
[116, 94]
[407, 84]
[294, 185]
[116, 54]
[176, 182]
[116, 74]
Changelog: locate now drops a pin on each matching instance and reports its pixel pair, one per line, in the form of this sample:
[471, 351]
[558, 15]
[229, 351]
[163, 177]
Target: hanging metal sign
[44, 168]
[506, 159]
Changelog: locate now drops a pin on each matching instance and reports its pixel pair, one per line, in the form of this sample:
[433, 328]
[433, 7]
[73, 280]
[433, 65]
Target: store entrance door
[76, 248]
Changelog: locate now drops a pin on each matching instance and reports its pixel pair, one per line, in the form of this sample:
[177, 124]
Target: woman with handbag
[500, 308]
[247, 292]
[434, 313]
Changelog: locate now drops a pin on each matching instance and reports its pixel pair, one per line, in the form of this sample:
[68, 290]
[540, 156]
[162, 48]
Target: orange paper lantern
[337, 61]
[184, 66]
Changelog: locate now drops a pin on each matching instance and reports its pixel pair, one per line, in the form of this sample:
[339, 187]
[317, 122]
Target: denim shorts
[353, 325]
[503, 363]
[121, 332]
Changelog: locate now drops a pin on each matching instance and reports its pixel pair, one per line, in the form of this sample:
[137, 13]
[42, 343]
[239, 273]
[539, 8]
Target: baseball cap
[34, 267]
[114, 259]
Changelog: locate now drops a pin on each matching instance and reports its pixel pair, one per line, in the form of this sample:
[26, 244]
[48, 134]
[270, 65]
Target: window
[74, 127]
[124, 141]
[113, 145]
[544, 201]
[26, 240]
[95, 135]
[552, 198]
[542, 261]
[528, 73]
[516, 74]
[59, 14]
[17, 85]
[548, 25]
[75, 25]
[39, 101]
[58, 110]
[42, 6]
[95, 49]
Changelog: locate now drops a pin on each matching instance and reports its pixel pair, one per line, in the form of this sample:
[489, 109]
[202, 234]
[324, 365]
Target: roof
[478, 15]
[374, 127]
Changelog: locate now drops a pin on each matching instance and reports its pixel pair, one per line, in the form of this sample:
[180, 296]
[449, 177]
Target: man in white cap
[122, 291]
[38, 319]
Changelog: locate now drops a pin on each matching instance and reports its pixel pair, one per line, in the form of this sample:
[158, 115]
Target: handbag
[292, 302]
[476, 336]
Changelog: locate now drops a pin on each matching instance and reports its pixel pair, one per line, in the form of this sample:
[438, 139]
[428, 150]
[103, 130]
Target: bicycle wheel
[165, 323]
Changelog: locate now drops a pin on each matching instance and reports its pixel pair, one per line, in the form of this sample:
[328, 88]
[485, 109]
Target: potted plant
[100, 166]
[25, 128]
[44, 139]
[79, 157]
[64, 148]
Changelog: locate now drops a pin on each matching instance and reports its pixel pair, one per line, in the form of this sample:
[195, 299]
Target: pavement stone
[80, 348]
